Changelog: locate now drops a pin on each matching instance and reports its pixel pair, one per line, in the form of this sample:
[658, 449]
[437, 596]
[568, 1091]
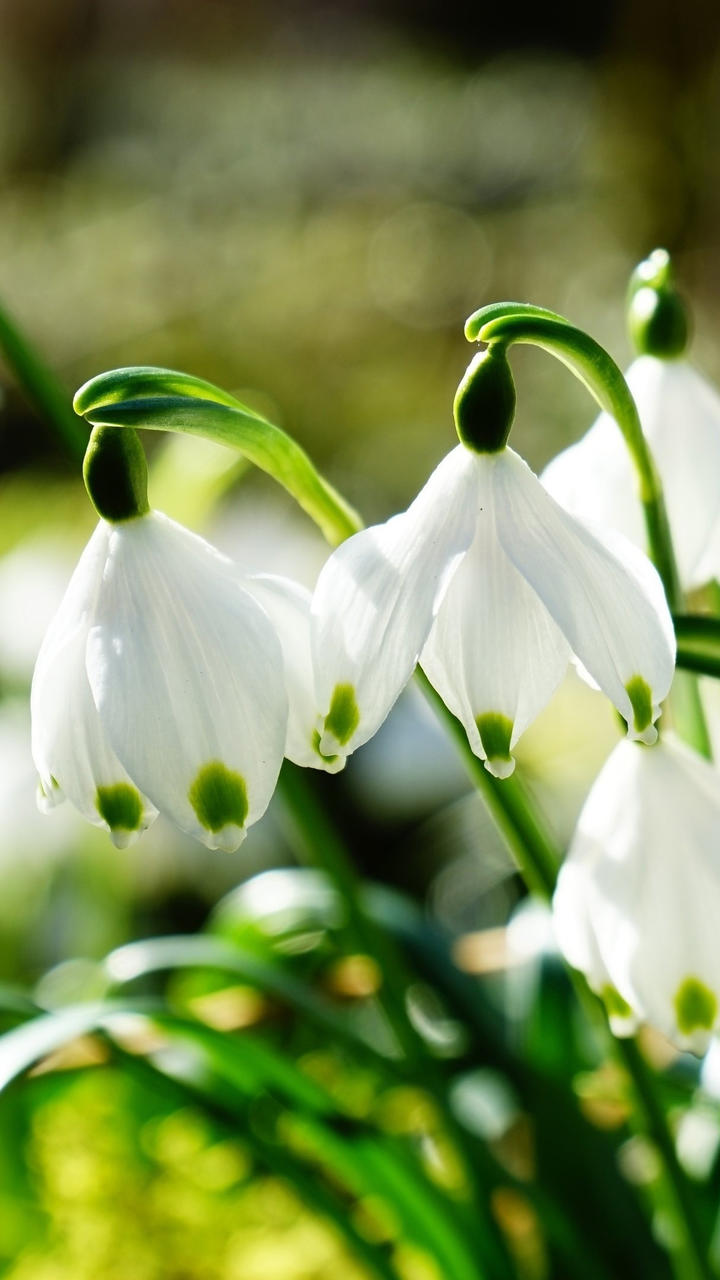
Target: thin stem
[519, 820]
[694, 1258]
[163, 400]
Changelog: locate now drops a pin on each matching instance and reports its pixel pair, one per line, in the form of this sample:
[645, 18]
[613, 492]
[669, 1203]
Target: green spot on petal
[616, 1006]
[219, 797]
[120, 805]
[495, 731]
[343, 717]
[639, 693]
[695, 1006]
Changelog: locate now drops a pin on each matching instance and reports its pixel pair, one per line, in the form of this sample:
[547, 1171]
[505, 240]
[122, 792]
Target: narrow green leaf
[41, 387]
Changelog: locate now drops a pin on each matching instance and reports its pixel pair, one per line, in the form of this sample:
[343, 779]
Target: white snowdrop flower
[638, 897]
[493, 586]
[680, 415]
[159, 685]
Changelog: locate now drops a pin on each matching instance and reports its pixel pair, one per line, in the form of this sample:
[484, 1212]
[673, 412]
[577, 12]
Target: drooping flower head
[159, 685]
[638, 896]
[492, 586]
[680, 415]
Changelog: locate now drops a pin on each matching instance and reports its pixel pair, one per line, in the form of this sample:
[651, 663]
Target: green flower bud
[657, 317]
[115, 474]
[484, 405]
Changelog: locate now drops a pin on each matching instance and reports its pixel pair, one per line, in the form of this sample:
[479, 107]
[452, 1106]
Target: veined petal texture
[287, 604]
[494, 653]
[680, 415]
[603, 593]
[375, 601]
[638, 897]
[71, 751]
[187, 674]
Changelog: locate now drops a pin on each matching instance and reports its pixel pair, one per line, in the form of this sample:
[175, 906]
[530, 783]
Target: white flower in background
[637, 903]
[493, 586]
[159, 685]
[680, 415]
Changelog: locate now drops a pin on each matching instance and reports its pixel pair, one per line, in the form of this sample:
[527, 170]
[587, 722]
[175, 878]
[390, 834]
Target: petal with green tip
[186, 670]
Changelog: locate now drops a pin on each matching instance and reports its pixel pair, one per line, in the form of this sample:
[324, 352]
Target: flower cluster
[170, 683]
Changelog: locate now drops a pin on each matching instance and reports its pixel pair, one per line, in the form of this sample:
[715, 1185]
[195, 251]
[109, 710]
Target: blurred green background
[300, 202]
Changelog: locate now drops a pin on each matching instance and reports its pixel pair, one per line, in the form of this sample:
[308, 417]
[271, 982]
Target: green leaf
[41, 387]
[140, 959]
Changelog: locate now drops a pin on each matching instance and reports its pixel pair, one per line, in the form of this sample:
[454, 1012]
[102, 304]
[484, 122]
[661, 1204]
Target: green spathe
[484, 405]
[343, 717]
[219, 797]
[120, 805]
[695, 1006]
[115, 474]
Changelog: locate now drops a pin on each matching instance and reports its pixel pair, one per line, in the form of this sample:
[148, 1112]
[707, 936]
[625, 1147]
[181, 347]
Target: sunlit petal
[494, 653]
[187, 675]
[603, 593]
[375, 601]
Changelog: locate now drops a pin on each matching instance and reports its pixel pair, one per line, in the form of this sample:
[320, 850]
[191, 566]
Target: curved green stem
[508, 322]
[164, 400]
[599, 373]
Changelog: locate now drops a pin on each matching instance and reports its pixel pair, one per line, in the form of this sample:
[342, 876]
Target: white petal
[638, 897]
[70, 749]
[186, 672]
[375, 601]
[680, 415]
[494, 652]
[287, 605]
[604, 594]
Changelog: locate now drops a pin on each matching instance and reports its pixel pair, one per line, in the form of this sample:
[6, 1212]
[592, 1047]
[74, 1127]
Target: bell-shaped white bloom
[494, 586]
[680, 415]
[159, 687]
[638, 897]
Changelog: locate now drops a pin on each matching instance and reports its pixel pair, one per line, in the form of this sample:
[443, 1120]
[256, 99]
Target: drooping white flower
[638, 897]
[492, 585]
[159, 686]
[680, 415]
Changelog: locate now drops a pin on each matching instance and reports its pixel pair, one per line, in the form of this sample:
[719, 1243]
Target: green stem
[163, 400]
[693, 1261]
[524, 829]
[41, 386]
[508, 322]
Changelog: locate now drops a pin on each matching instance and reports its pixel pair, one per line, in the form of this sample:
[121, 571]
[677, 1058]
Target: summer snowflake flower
[159, 685]
[493, 586]
[680, 415]
[637, 901]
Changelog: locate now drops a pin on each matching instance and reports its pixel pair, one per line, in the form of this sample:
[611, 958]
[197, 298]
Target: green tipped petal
[121, 806]
[495, 732]
[695, 1006]
[343, 717]
[219, 797]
